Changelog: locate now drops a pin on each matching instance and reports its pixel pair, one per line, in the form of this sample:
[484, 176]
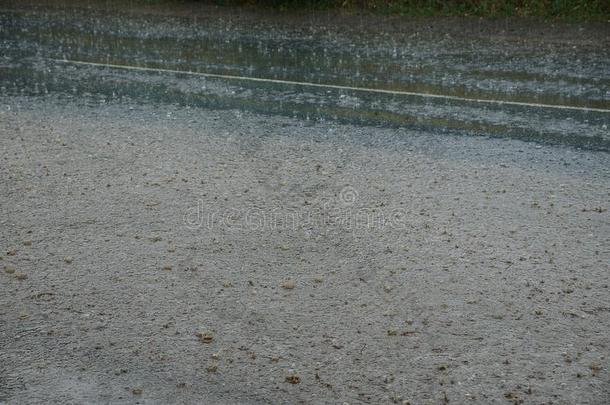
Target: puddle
[31, 39]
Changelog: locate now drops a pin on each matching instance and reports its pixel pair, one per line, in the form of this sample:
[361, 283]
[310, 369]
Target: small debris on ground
[293, 379]
[595, 368]
[205, 337]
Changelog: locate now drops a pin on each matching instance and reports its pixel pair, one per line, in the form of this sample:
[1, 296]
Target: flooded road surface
[476, 77]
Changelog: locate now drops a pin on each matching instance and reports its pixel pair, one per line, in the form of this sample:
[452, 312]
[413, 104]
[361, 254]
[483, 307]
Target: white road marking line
[334, 86]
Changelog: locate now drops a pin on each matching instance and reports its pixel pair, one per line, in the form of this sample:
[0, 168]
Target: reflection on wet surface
[30, 40]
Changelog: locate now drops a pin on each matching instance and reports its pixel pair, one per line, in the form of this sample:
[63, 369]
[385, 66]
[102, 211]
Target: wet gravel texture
[329, 263]
[172, 238]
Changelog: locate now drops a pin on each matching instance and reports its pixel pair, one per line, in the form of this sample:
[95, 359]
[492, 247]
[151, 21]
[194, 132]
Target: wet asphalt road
[442, 188]
[493, 62]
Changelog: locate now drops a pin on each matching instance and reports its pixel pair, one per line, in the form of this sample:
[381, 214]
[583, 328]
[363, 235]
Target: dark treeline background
[578, 9]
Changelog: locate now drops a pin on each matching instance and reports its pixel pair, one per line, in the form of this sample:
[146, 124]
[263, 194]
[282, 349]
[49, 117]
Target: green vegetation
[566, 9]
